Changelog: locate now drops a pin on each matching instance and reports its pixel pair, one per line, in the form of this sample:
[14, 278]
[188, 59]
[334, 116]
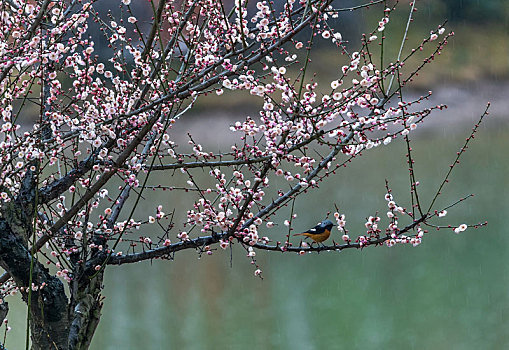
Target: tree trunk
[55, 322]
[48, 304]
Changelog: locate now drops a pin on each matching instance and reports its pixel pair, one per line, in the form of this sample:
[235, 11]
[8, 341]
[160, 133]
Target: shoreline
[465, 104]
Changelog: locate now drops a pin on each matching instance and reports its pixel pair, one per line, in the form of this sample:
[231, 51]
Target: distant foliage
[477, 12]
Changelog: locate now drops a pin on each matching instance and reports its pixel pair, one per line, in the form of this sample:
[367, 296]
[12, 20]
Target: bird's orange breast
[318, 237]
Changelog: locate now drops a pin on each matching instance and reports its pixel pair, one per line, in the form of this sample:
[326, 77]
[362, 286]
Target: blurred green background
[451, 292]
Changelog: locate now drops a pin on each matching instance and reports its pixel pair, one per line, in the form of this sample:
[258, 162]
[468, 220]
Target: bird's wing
[315, 230]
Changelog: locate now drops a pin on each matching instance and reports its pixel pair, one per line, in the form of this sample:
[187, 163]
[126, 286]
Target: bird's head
[327, 224]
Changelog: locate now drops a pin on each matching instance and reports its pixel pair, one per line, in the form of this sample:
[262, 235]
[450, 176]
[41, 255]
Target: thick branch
[204, 164]
[155, 29]
[57, 187]
[200, 242]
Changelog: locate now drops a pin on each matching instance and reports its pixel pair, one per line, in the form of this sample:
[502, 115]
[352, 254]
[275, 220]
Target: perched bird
[319, 233]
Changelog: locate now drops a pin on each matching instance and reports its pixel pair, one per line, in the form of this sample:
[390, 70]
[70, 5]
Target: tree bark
[48, 303]
[55, 323]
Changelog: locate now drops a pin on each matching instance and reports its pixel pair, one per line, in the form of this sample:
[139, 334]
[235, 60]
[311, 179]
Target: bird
[319, 233]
